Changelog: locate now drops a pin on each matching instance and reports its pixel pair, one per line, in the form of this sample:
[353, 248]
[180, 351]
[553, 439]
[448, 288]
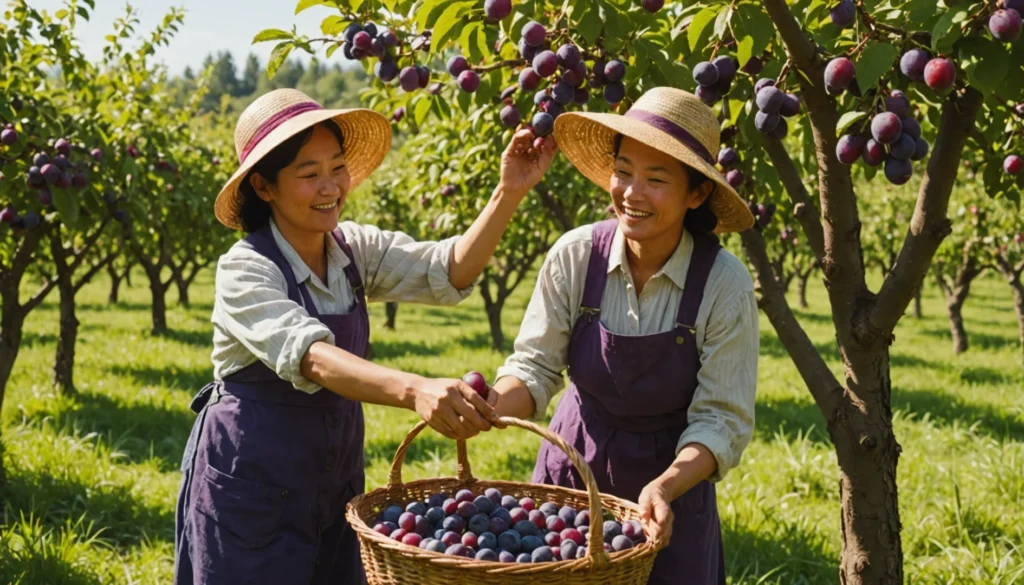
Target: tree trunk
[159, 308]
[956, 324]
[182, 285]
[1018, 306]
[115, 283]
[64, 362]
[917, 302]
[803, 290]
[391, 310]
[12, 321]
[494, 319]
[868, 454]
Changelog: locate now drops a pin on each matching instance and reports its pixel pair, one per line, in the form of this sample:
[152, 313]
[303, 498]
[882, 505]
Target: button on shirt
[253, 318]
[721, 415]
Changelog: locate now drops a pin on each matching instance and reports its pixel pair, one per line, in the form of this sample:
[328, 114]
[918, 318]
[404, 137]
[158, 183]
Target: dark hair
[255, 212]
[701, 221]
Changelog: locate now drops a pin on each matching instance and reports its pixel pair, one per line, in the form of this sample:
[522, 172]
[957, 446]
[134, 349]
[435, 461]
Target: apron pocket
[248, 511]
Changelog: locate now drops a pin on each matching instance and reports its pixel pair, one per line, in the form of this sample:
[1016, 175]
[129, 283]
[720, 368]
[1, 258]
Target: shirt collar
[675, 268]
[337, 261]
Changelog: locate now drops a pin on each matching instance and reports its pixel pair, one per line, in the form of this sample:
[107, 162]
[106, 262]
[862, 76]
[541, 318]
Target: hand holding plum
[453, 408]
[524, 162]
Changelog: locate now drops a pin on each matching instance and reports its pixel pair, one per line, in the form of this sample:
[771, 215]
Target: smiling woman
[277, 450]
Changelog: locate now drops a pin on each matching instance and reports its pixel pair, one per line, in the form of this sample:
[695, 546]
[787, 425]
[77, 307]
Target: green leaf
[590, 25]
[698, 24]
[987, 66]
[848, 119]
[421, 110]
[735, 109]
[277, 57]
[333, 48]
[754, 22]
[333, 25]
[61, 14]
[876, 59]
[722, 22]
[745, 49]
[304, 4]
[428, 14]
[474, 41]
[946, 31]
[449, 25]
[67, 205]
[271, 34]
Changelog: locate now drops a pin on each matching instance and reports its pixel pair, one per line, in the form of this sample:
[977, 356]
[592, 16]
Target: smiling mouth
[326, 206]
[636, 214]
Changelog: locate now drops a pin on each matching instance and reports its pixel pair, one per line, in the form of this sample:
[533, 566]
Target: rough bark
[158, 291]
[494, 302]
[917, 302]
[115, 283]
[494, 320]
[183, 275]
[391, 310]
[955, 284]
[153, 267]
[803, 290]
[803, 207]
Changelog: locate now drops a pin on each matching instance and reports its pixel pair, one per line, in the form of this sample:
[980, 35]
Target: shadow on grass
[139, 431]
[426, 447]
[985, 375]
[975, 340]
[385, 349]
[190, 380]
[43, 566]
[193, 338]
[789, 417]
[121, 306]
[32, 339]
[123, 520]
[787, 555]
[483, 340]
[451, 316]
[945, 409]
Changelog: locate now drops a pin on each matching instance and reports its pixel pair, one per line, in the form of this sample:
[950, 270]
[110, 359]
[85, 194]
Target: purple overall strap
[351, 271]
[597, 268]
[705, 250]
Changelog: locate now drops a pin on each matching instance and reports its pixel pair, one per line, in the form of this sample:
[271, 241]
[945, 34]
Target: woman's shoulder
[731, 273]
[242, 257]
[573, 243]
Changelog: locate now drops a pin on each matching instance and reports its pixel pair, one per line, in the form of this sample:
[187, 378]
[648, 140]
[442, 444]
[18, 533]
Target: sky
[210, 26]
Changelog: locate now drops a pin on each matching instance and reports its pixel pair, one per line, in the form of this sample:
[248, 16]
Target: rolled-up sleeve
[541, 350]
[400, 269]
[252, 305]
[721, 415]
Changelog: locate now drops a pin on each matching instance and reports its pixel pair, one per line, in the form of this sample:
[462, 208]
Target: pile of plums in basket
[500, 528]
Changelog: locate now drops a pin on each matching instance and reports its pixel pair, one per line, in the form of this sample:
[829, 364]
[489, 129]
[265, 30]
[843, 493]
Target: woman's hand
[452, 408]
[522, 165]
[656, 510]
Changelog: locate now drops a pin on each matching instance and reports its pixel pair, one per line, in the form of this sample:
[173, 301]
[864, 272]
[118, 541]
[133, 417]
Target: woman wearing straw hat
[656, 324]
[277, 449]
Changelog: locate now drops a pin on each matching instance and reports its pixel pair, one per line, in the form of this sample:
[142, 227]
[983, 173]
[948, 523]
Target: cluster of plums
[500, 528]
[773, 107]
[895, 140]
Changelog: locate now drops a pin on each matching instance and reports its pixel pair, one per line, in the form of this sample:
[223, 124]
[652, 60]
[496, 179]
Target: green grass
[94, 478]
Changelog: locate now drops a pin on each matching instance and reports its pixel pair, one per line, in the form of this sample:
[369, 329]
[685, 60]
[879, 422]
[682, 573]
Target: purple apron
[626, 409]
[269, 469]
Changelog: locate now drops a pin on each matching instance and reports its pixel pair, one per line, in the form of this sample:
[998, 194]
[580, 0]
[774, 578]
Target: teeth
[636, 214]
[326, 206]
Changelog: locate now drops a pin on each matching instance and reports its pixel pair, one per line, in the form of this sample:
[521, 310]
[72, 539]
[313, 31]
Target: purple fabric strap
[674, 130]
[272, 123]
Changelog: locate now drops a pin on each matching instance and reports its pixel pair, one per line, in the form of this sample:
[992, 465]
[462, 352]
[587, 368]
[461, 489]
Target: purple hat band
[275, 121]
[674, 130]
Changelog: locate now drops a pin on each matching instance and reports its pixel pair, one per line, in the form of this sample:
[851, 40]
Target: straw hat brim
[367, 141]
[587, 140]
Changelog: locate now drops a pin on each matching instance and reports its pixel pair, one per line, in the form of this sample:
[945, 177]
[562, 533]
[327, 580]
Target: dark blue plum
[524, 558]
[435, 515]
[569, 549]
[510, 541]
[483, 504]
[567, 513]
[542, 554]
[549, 508]
[487, 540]
[392, 514]
[417, 508]
[494, 495]
[509, 502]
[454, 524]
[486, 554]
[705, 74]
[526, 528]
[532, 543]
[506, 557]
[904, 147]
[621, 543]
[611, 530]
[479, 524]
[769, 99]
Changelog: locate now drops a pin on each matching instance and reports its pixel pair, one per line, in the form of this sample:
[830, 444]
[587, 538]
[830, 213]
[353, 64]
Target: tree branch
[804, 208]
[826, 390]
[929, 226]
[90, 240]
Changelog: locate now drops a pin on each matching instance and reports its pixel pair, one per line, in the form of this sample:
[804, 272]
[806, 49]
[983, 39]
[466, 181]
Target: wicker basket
[388, 562]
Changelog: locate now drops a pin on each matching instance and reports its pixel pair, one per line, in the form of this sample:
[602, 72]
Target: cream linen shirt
[253, 318]
[721, 415]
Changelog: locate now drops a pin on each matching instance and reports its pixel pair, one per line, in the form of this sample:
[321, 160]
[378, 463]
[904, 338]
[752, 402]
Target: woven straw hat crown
[260, 111]
[685, 110]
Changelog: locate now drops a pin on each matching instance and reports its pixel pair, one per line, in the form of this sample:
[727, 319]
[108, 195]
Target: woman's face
[310, 192]
[650, 192]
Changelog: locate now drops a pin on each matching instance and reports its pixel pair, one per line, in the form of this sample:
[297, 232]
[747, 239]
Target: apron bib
[268, 469]
[626, 409]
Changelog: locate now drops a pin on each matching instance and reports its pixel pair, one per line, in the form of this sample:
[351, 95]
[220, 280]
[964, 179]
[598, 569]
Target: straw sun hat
[283, 113]
[671, 120]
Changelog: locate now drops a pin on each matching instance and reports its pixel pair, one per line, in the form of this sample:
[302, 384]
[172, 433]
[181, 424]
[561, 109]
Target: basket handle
[595, 544]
